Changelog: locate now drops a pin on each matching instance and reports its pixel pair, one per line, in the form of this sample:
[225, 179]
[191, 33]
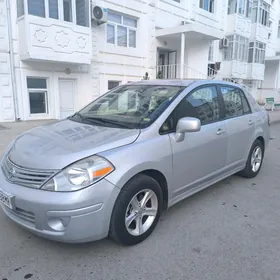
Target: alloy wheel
[141, 212]
[256, 159]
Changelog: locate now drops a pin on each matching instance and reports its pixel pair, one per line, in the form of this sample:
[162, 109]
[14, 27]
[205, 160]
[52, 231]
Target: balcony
[54, 33]
[235, 69]
[256, 71]
[238, 24]
[259, 33]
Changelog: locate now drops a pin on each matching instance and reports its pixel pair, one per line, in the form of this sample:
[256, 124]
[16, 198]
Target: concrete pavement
[274, 116]
[229, 231]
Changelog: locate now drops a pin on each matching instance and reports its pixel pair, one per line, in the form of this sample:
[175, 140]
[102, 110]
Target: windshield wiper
[102, 121]
[76, 114]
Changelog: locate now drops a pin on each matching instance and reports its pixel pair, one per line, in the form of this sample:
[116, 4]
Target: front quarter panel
[261, 126]
[145, 154]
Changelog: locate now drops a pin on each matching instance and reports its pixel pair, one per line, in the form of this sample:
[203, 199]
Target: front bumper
[73, 217]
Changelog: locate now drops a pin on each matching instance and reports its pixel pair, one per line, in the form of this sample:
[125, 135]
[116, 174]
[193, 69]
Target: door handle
[251, 122]
[220, 131]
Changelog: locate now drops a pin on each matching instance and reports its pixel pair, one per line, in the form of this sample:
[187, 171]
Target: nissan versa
[112, 168]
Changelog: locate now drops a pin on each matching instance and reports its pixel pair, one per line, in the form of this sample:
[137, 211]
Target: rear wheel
[254, 161]
[136, 211]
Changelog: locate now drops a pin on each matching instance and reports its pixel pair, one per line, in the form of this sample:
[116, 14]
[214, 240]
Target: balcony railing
[173, 71]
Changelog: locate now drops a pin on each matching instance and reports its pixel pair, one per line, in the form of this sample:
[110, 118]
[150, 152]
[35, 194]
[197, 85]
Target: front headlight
[79, 175]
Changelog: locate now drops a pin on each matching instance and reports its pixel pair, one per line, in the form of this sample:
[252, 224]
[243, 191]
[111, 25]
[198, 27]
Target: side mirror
[186, 125]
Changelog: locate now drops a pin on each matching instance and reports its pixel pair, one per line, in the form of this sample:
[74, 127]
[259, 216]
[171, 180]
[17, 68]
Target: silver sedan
[113, 167]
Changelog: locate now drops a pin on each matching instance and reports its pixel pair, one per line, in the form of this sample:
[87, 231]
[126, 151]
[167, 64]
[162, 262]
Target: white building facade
[55, 59]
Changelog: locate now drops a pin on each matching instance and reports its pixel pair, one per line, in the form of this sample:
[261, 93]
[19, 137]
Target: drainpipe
[12, 65]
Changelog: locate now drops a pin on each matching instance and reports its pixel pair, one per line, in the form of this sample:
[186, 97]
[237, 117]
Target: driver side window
[202, 104]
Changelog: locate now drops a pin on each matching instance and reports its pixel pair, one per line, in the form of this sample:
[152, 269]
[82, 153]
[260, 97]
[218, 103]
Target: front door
[66, 98]
[201, 156]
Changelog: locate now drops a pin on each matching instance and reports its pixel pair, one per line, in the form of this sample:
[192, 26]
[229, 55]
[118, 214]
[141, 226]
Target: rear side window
[235, 102]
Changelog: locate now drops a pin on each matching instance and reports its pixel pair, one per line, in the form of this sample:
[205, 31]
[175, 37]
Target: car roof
[183, 83]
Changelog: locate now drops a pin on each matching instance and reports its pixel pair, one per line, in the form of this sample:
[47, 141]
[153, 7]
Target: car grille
[24, 177]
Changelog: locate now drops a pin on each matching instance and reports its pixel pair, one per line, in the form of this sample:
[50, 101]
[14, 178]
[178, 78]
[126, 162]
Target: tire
[125, 209]
[250, 171]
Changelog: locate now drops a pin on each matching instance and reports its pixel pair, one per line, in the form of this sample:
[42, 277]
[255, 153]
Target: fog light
[58, 224]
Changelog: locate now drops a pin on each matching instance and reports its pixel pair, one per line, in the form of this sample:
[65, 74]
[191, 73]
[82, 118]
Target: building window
[38, 95]
[82, 12]
[261, 11]
[207, 5]
[36, 7]
[121, 30]
[211, 51]
[237, 48]
[249, 6]
[53, 9]
[232, 7]
[67, 10]
[242, 7]
[256, 52]
[20, 8]
[113, 84]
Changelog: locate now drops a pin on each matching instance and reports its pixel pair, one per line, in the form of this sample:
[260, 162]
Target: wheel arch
[261, 139]
[160, 178]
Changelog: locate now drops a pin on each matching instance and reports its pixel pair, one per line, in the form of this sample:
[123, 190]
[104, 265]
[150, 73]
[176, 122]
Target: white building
[54, 58]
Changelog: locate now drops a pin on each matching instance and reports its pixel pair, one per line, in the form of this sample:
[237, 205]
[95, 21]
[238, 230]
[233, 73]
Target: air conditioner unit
[224, 43]
[99, 14]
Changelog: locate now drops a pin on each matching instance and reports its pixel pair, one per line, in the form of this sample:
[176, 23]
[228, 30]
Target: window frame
[238, 48]
[40, 90]
[60, 11]
[242, 100]
[221, 108]
[210, 3]
[258, 52]
[244, 9]
[261, 12]
[121, 24]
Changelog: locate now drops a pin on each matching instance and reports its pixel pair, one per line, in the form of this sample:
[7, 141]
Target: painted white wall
[270, 74]
[6, 91]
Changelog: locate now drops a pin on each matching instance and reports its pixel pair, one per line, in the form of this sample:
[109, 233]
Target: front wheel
[136, 211]
[254, 161]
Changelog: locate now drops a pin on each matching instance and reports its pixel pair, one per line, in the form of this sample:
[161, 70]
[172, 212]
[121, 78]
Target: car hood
[56, 145]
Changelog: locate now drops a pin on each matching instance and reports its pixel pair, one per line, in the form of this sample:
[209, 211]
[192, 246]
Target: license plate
[6, 199]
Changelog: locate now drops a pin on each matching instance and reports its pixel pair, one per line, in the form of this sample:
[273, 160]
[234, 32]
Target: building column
[182, 60]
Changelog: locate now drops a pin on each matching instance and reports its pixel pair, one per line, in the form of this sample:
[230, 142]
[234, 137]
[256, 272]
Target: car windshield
[129, 106]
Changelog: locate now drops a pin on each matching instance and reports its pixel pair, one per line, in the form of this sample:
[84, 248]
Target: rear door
[240, 125]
